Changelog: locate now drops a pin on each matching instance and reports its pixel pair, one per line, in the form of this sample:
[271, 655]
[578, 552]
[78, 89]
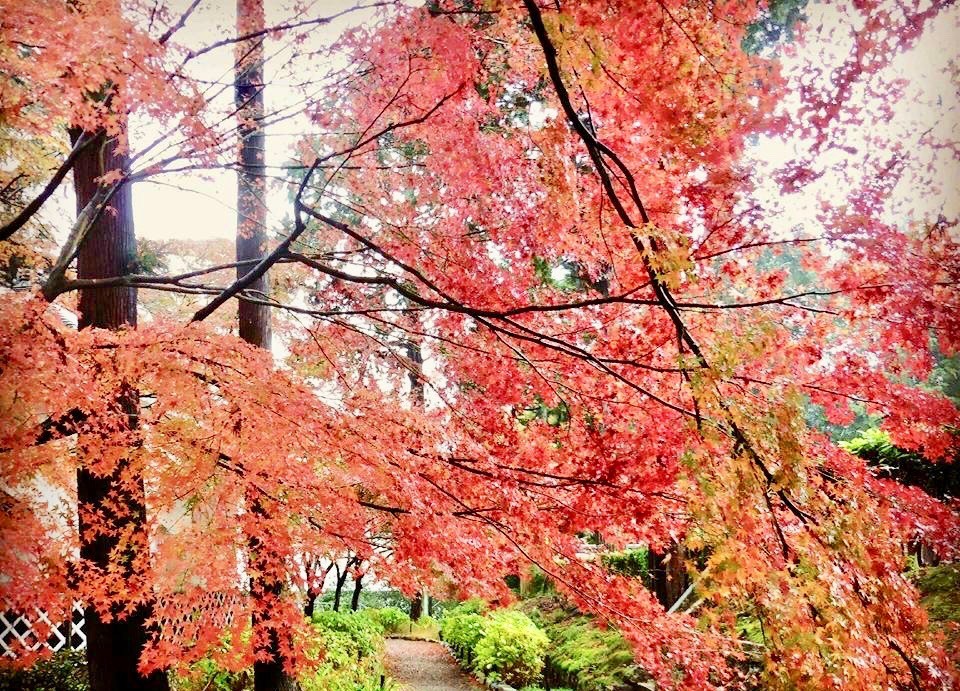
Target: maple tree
[537, 297]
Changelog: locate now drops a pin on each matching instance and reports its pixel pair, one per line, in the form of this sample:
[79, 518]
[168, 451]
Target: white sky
[202, 207]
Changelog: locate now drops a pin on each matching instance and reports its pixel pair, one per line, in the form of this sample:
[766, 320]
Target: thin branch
[280, 250]
[30, 209]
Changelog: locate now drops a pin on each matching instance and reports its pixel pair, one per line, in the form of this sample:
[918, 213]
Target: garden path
[425, 666]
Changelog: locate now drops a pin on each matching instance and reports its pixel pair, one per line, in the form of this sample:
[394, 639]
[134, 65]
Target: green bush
[597, 659]
[345, 655]
[511, 649]
[356, 635]
[205, 675]
[472, 606]
[583, 655]
[64, 671]
[348, 651]
[426, 621]
[633, 563]
[392, 619]
[462, 631]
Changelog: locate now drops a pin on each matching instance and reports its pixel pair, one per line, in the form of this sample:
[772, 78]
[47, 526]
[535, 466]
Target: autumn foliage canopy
[533, 282]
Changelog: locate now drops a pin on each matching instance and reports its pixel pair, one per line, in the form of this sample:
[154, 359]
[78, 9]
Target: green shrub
[426, 621]
[511, 649]
[596, 659]
[64, 671]
[461, 626]
[353, 634]
[462, 631]
[392, 619]
[348, 651]
[633, 563]
[583, 655]
[205, 675]
[345, 655]
[472, 606]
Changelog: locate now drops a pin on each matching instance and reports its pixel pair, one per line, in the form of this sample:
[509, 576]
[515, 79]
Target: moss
[940, 591]
[940, 595]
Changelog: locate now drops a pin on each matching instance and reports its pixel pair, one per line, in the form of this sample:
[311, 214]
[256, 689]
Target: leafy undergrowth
[502, 645]
[581, 654]
[346, 655]
[64, 671]
[940, 595]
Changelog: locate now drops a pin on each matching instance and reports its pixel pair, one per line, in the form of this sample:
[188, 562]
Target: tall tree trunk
[415, 374]
[310, 605]
[357, 587]
[114, 646]
[341, 581]
[251, 182]
[254, 319]
[669, 574]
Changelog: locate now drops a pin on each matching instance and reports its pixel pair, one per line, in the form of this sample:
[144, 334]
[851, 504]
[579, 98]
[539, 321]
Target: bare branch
[30, 209]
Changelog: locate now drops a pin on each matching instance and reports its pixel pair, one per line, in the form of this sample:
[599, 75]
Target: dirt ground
[425, 666]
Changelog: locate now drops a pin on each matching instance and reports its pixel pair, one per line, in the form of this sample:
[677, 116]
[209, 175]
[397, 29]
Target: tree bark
[113, 647]
[254, 319]
[309, 604]
[357, 587]
[669, 574]
[415, 375]
[251, 182]
[341, 581]
[416, 606]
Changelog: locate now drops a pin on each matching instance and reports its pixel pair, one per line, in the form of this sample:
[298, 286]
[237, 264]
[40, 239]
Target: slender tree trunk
[341, 581]
[416, 606]
[311, 603]
[113, 647]
[415, 374]
[357, 587]
[251, 182]
[254, 319]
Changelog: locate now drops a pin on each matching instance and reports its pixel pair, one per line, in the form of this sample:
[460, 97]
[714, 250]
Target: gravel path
[425, 666]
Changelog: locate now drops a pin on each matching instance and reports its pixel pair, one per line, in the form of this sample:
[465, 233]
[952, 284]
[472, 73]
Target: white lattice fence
[18, 632]
[177, 621]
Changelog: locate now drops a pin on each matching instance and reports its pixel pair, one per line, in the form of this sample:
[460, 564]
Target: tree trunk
[415, 375]
[416, 606]
[113, 647]
[357, 587]
[311, 604]
[254, 319]
[341, 581]
[669, 574]
[251, 183]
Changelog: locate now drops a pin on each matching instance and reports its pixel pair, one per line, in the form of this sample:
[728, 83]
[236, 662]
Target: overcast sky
[202, 207]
